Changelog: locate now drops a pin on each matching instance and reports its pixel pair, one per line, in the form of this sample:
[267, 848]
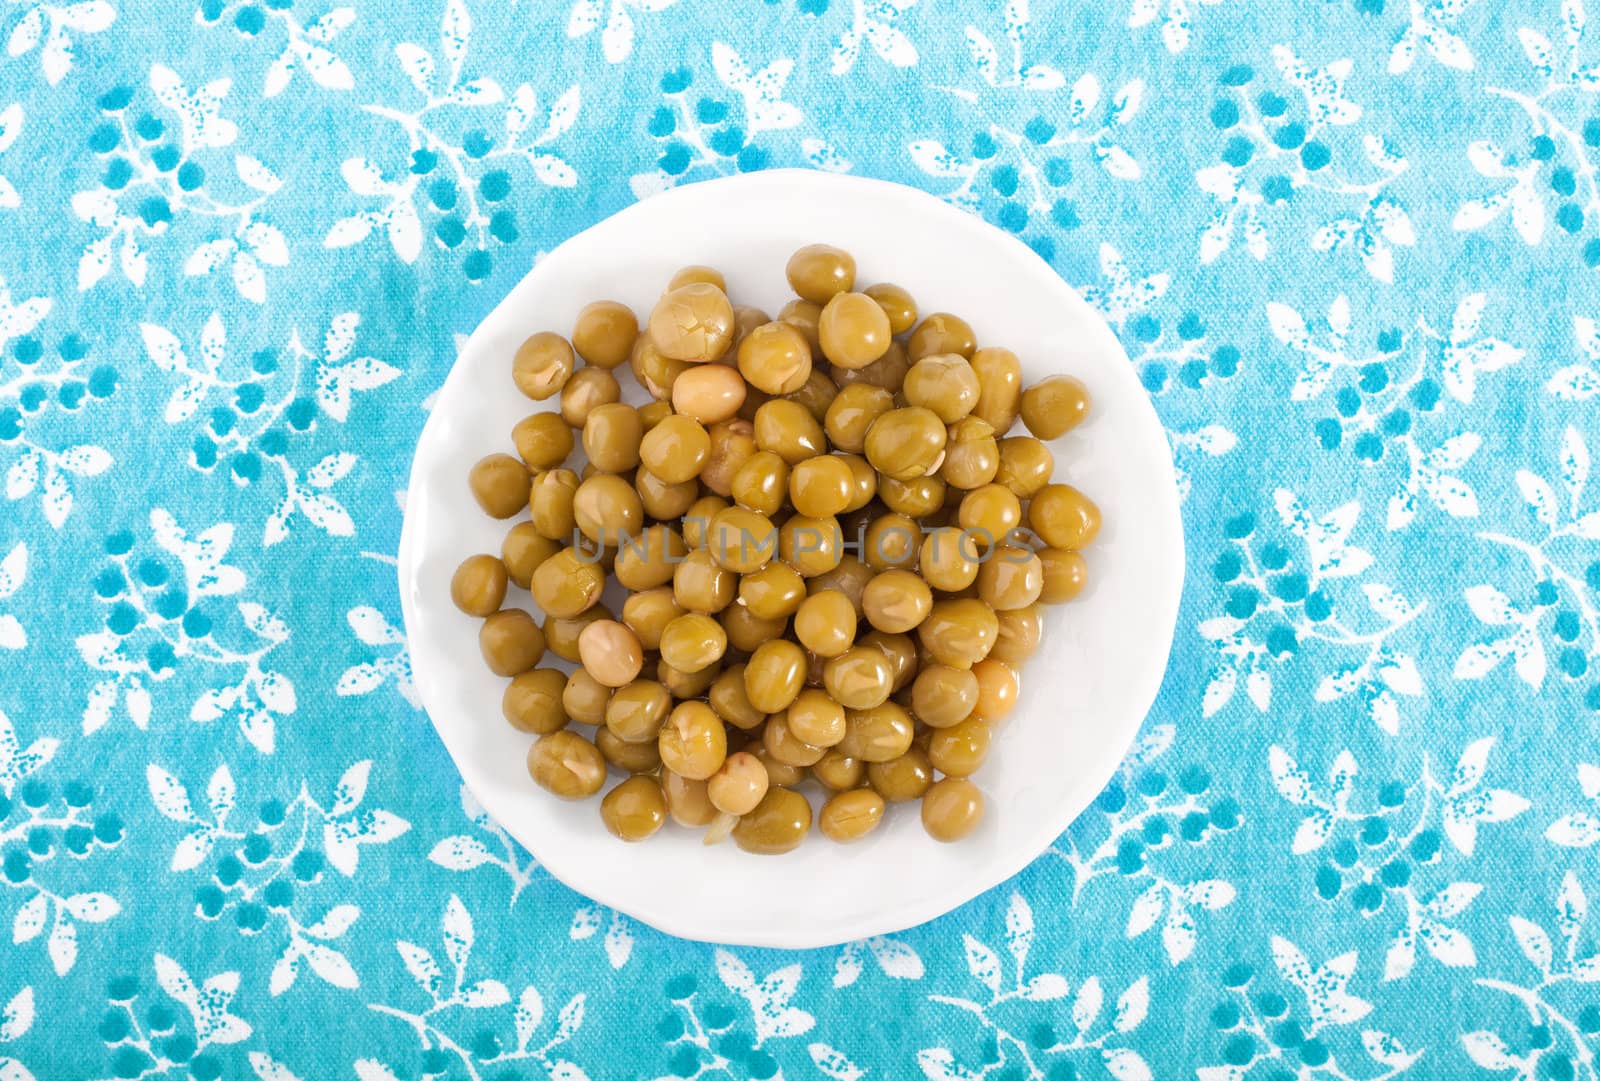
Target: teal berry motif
[1022, 175]
[43, 829]
[1555, 1032]
[160, 613]
[470, 1021]
[1273, 152]
[159, 178]
[1278, 608]
[249, 20]
[1171, 355]
[1382, 401]
[1038, 1025]
[257, 414]
[442, 194]
[702, 131]
[1380, 851]
[1274, 1022]
[702, 1033]
[449, 180]
[1372, 409]
[1544, 621]
[181, 1035]
[1150, 824]
[1550, 175]
[264, 874]
[47, 382]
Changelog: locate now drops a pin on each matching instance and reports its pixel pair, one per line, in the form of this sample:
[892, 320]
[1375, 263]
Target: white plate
[1084, 694]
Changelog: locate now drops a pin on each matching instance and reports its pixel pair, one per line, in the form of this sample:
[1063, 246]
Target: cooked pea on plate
[788, 551]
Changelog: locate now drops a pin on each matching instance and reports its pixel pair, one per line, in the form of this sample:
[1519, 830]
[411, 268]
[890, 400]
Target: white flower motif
[278, 395]
[466, 852]
[10, 128]
[1567, 85]
[702, 146]
[69, 819]
[400, 217]
[616, 40]
[40, 468]
[50, 23]
[1381, 223]
[1176, 19]
[1123, 296]
[146, 637]
[344, 827]
[1556, 958]
[13, 569]
[151, 195]
[16, 1018]
[872, 24]
[1430, 28]
[1300, 599]
[373, 630]
[1033, 157]
[1580, 382]
[1328, 1009]
[1520, 630]
[1091, 1032]
[306, 48]
[454, 1000]
[1580, 829]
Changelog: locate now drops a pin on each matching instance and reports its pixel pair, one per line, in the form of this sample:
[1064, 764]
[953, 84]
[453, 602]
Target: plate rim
[1151, 677]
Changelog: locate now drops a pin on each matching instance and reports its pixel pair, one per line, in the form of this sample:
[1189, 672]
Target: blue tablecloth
[1351, 247]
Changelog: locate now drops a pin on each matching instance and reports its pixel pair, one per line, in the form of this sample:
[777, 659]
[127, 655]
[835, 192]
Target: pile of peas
[751, 652]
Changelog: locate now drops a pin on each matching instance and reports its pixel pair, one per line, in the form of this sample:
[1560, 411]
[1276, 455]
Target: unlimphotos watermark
[880, 547]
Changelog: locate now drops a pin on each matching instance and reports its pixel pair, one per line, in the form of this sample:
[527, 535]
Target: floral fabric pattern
[240, 241]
